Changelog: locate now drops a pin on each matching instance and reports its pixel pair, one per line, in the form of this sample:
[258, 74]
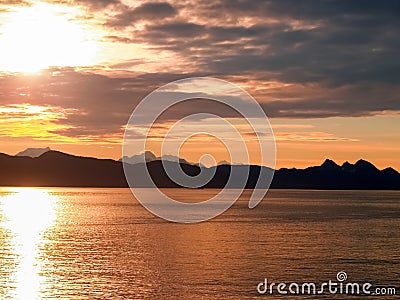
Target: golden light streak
[40, 123]
[29, 120]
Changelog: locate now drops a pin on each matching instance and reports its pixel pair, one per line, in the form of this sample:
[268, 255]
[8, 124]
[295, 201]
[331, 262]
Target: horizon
[341, 163]
[71, 74]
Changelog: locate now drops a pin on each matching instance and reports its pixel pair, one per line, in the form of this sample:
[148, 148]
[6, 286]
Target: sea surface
[81, 243]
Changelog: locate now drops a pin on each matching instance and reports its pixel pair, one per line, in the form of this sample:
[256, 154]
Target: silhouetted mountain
[361, 175]
[55, 168]
[146, 156]
[149, 156]
[365, 166]
[223, 162]
[33, 152]
[329, 164]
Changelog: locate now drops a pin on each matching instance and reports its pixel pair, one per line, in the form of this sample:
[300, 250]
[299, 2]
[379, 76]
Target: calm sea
[101, 244]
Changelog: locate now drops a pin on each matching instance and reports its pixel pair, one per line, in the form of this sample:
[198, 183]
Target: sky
[326, 73]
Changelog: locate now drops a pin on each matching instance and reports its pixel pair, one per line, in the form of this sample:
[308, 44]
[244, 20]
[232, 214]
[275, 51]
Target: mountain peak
[346, 164]
[146, 156]
[348, 167]
[328, 163]
[390, 170]
[149, 156]
[363, 164]
[33, 152]
[224, 162]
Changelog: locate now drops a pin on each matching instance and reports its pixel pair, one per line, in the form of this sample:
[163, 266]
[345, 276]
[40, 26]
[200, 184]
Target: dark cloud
[340, 56]
[146, 11]
[101, 105]
[306, 9]
[119, 39]
[338, 106]
[330, 42]
[97, 103]
[175, 30]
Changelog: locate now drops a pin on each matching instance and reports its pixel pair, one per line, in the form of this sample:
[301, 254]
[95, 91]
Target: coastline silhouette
[54, 168]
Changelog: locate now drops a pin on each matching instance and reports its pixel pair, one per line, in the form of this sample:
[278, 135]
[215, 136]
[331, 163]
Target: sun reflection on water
[26, 213]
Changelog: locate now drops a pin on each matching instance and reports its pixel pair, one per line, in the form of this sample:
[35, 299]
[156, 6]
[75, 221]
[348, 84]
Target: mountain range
[54, 168]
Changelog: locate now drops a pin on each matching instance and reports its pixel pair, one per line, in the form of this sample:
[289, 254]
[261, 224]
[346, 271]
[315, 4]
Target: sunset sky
[326, 73]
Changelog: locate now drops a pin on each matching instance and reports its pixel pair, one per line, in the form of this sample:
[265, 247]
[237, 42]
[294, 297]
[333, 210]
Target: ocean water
[71, 243]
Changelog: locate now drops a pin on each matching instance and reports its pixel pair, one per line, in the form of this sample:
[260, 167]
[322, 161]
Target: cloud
[14, 120]
[309, 60]
[97, 4]
[307, 136]
[145, 11]
[15, 2]
[99, 105]
[348, 101]
[315, 136]
[291, 126]
[175, 30]
[331, 42]
[94, 5]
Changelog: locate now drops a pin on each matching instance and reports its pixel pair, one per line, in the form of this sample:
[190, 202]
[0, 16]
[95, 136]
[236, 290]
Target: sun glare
[43, 35]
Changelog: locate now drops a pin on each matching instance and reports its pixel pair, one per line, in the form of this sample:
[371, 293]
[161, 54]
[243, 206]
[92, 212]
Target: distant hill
[149, 156]
[33, 152]
[361, 175]
[54, 168]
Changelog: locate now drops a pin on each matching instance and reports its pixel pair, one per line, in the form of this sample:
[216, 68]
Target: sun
[43, 35]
